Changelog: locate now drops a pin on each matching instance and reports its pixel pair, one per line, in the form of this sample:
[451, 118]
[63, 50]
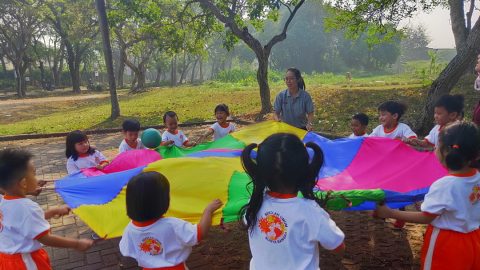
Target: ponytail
[250, 210]
[306, 187]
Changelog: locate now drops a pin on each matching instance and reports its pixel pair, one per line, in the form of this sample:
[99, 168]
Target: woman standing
[294, 105]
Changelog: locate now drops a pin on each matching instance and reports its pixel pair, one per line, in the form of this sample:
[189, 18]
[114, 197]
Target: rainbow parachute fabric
[360, 172]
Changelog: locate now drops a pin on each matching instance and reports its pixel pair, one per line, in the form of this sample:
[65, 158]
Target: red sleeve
[199, 233]
[42, 234]
[429, 214]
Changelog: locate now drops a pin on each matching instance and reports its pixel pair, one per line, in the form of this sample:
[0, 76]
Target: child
[448, 109]
[153, 240]
[359, 125]
[390, 113]
[452, 205]
[221, 128]
[131, 128]
[174, 136]
[81, 155]
[23, 224]
[285, 230]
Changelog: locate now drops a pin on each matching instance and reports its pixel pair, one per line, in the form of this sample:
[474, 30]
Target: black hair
[298, 77]
[451, 103]
[131, 125]
[13, 166]
[171, 114]
[393, 107]
[74, 137]
[222, 108]
[148, 196]
[362, 118]
[460, 145]
[282, 163]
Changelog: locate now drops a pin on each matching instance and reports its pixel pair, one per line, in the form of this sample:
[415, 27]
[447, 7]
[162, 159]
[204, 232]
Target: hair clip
[455, 146]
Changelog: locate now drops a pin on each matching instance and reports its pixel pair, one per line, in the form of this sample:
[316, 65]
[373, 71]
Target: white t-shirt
[432, 136]
[89, 161]
[179, 138]
[167, 242]
[220, 132]
[355, 136]
[125, 147]
[456, 202]
[402, 131]
[22, 222]
[477, 84]
[288, 232]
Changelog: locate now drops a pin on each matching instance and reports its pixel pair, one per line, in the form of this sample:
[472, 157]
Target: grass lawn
[335, 102]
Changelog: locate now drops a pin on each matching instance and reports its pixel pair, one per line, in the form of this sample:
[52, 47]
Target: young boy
[448, 109]
[221, 128]
[390, 113]
[359, 125]
[174, 136]
[23, 224]
[131, 128]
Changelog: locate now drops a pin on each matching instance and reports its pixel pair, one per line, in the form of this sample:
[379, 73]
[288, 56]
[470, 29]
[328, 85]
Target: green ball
[151, 138]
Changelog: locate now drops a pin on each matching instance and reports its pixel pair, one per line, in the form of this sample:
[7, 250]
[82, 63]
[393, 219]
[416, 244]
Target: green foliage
[378, 18]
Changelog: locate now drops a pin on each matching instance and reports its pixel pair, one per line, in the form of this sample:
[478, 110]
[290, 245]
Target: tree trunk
[158, 76]
[141, 77]
[173, 74]
[42, 74]
[192, 79]
[73, 67]
[449, 77]
[201, 70]
[262, 79]
[457, 18]
[107, 51]
[4, 66]
[121, 66]
[20, 80]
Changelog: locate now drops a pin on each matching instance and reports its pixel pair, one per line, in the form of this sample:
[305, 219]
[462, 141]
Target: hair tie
[455, 146]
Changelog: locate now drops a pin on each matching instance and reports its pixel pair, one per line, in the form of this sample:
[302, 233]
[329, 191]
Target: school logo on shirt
[273, 226]
[475, 195]
[151, 246]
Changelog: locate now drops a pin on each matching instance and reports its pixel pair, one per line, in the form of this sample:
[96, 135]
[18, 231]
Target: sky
[437, 24]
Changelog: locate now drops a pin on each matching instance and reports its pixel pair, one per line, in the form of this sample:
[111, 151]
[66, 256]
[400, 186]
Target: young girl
[447, 110]
[174, 136]
[285, 230]
[221, 128]
[81, 155]
[390, 113]
[153, 240]
[452, 205]
[23, 224]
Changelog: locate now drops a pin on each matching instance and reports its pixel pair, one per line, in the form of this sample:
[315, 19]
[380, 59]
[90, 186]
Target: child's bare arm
[57, 211]
[384, 211]
[206, 220]
[207, 134]
[64, 242]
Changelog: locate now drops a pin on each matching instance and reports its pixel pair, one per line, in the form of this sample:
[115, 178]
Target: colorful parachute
[360, 172]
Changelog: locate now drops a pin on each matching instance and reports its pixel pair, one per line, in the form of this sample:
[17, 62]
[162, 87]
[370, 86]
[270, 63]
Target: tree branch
[283, 35]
